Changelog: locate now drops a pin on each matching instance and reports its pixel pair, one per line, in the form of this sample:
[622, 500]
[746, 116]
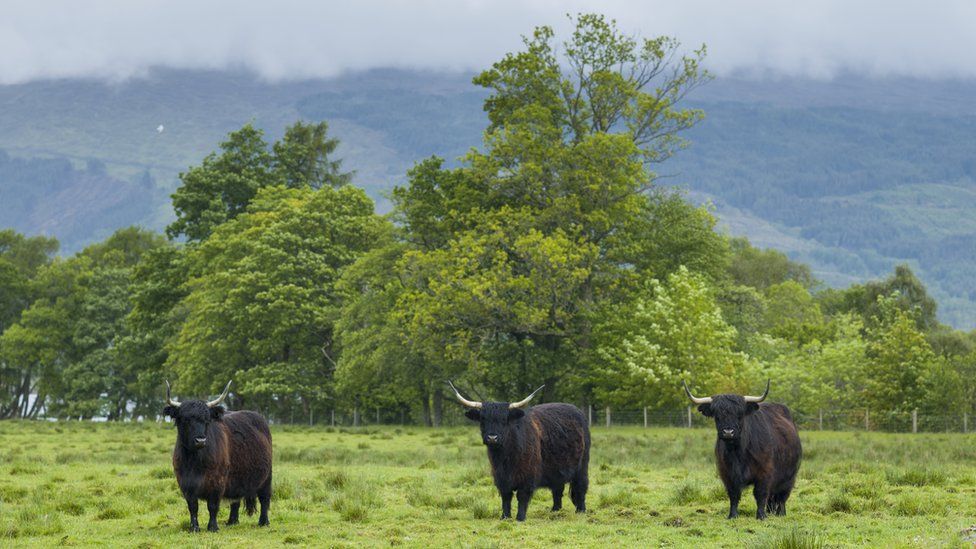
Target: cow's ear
[217, 412]
[473, 414]
[705, 409]
[171, 411]
[751, 407]
[515, 413]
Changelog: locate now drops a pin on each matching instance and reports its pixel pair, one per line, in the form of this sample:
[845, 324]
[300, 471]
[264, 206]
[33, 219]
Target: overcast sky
[117, 39]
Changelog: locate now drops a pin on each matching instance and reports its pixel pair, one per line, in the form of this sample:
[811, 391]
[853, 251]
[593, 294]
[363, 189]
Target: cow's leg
[734, 493]
[761, 492]
[506, 504]
[557, 497]
[264, 498]
[193, 506]
[524, 496]
[213, 507]
[235, 508]
[577, 491]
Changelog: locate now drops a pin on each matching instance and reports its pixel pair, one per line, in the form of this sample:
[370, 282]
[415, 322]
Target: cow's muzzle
[491, 440]
[200, 442]
[727, 434]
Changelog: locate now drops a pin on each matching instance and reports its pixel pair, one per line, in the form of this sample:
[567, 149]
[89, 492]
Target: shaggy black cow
[545, 446]
[220, 455]
[757, 444]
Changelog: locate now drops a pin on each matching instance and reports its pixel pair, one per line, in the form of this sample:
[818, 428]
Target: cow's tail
[250, 505]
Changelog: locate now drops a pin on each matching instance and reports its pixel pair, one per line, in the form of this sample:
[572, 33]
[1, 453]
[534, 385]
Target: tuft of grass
[918, 477]
[792, 539]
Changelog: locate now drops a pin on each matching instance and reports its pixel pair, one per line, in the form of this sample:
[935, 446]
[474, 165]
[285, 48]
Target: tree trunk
[438, 407]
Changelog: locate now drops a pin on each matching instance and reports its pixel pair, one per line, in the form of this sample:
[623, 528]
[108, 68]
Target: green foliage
[261, 300]
[223, 185]
[674, 332]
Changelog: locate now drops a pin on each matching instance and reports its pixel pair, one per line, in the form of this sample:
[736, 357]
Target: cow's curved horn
[524, 401]
[758, 398]
[461, 399]
[169, 399]
[222, 396]
[696, 400]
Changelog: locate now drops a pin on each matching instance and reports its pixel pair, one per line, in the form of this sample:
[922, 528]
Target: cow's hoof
[231, 522]
[264, 523]
[194, 528]
[212, 528]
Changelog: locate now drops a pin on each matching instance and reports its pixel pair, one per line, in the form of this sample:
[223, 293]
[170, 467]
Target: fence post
[821, 419]
[645, 417]
[915, 420]
[311, 413]
[589, 414]
[689, 417]
[608, 416]
[377, 415]
[333, 417]
[355, 416]
[867, 421]
[965, 422]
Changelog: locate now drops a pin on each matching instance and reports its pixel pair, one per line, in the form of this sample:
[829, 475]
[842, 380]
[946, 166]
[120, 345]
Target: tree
[761, 269]
[900, 359]
[673, 332]
[262, 304]
[221, 188]
[223, 185]
[302, 158]
[552, 216]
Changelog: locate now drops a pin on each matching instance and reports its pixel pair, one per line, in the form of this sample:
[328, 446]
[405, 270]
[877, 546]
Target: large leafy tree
[553, 216]
[262, 303]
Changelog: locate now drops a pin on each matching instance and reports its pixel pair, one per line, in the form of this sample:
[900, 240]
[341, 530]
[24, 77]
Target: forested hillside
[852, 175]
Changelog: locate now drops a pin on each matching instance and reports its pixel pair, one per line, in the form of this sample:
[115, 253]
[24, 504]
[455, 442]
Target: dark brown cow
[545, 446]
[757, 444]
[220, 455]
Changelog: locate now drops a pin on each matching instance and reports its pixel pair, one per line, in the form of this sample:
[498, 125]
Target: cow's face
[193, 419]
[729, 412]
[496, 419]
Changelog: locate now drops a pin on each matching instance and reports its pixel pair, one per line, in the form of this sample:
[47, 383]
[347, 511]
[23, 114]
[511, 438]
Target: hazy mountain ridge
[852, 175]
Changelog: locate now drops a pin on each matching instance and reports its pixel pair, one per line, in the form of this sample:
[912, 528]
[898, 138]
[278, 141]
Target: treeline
[550, 255]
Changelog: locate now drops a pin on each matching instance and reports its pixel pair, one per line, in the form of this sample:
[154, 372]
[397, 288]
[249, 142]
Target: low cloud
[117, 39]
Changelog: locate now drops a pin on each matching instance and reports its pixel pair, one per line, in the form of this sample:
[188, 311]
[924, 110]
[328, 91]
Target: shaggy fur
[757, 444]
[233, 463]
[546, 446]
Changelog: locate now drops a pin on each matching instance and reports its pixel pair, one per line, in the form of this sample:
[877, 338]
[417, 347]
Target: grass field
[81, 484]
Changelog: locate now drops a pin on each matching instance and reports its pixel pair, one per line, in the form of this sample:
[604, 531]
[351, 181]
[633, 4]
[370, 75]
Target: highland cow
[757, 444]
[543, 446]
[220, 455]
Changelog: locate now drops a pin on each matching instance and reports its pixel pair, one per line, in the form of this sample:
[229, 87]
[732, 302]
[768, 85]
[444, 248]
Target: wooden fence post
[589, 414]
[915, 420]
[333, 417]
[689, 417]
[645, 417]
[821, 419]
[355, 416]
[965, 422]
[608, 416]
[377, 415]
[867, 421]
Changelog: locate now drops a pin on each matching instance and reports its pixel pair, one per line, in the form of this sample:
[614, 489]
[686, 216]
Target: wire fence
[606, 417]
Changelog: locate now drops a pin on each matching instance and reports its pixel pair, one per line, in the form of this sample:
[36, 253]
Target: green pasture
[84, 484]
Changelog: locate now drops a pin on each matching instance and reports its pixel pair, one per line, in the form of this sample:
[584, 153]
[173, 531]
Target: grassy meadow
[82, 484]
